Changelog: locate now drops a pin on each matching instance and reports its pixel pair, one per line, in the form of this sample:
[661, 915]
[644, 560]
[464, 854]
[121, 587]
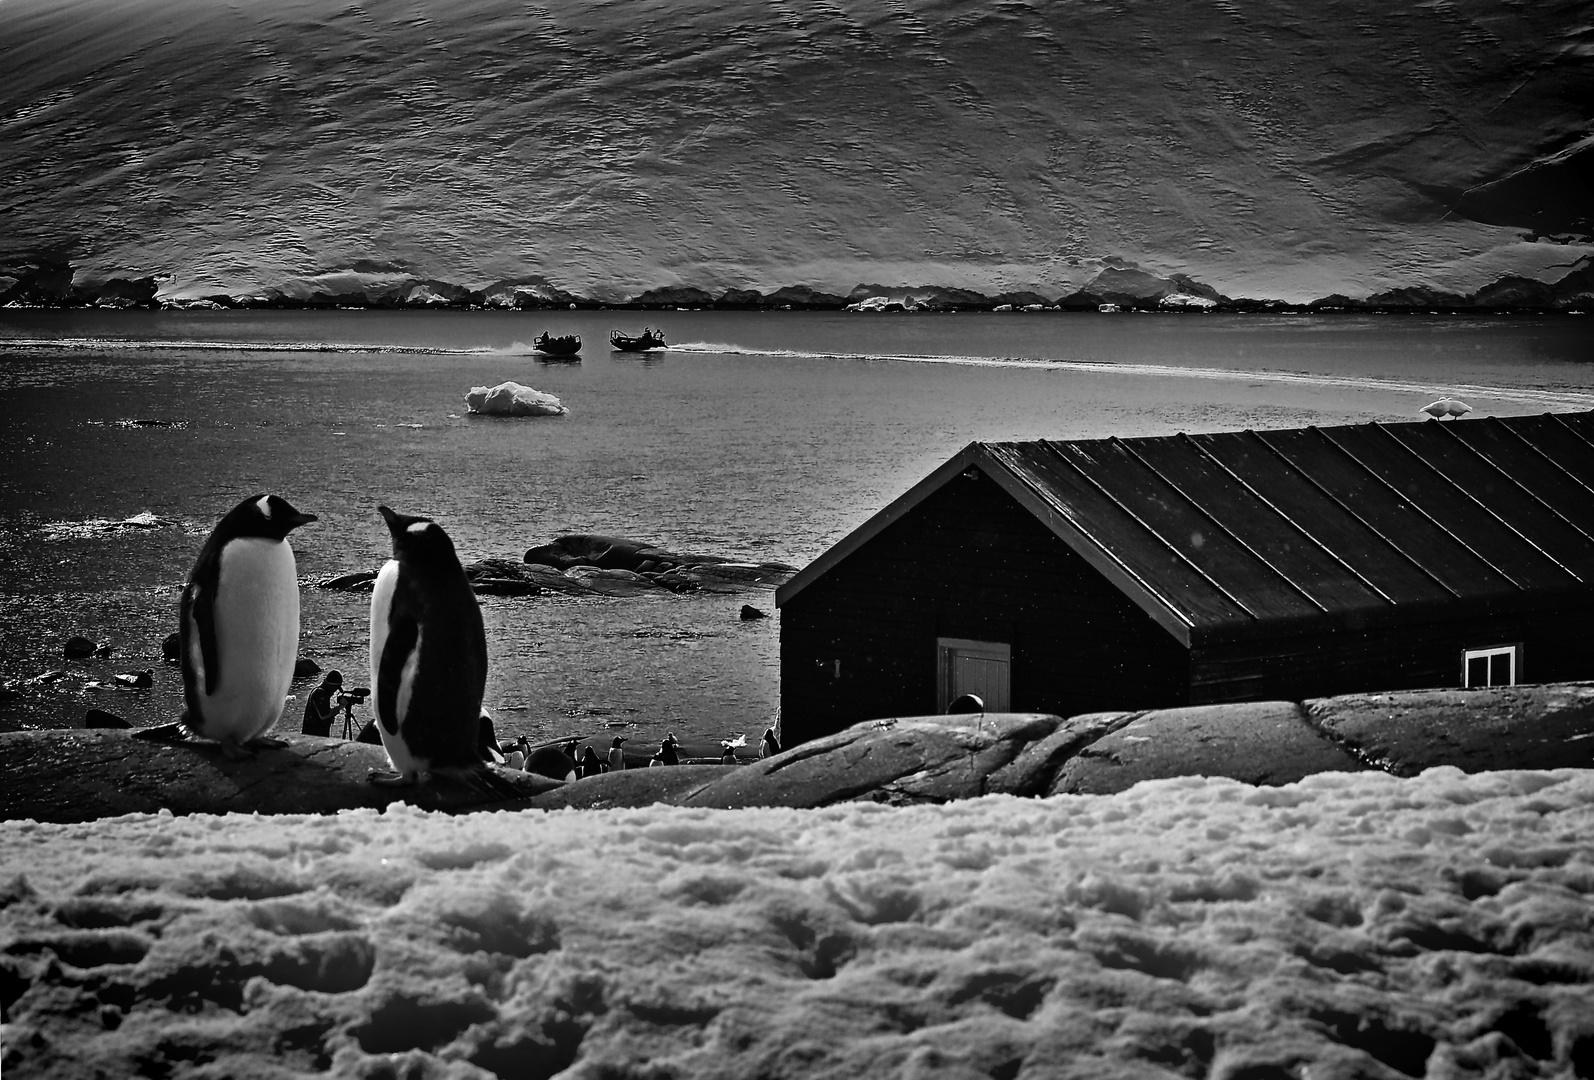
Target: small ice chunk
[512, 399]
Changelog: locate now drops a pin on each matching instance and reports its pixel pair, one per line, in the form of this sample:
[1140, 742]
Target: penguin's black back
[433, 600]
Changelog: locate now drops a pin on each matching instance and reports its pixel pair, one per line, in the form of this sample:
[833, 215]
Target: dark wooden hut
[1068, 577]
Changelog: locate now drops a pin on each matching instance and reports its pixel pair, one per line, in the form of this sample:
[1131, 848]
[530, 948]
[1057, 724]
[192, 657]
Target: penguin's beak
[302, 518]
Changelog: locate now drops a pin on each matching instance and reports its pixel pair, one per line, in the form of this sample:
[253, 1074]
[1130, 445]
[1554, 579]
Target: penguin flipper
[202, 609]
[402, 635]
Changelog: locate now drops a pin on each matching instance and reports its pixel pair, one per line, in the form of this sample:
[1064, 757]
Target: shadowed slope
[1270, 149]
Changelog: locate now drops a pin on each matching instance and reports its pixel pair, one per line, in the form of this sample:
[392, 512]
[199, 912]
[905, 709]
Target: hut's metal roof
[1234, 533]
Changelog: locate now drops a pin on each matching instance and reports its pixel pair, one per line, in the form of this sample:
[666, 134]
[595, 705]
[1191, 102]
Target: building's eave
[988, 459]
[871, 528]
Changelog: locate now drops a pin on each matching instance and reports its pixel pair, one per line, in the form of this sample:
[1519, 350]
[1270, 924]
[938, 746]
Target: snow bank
[512, 399]
[1353, 924]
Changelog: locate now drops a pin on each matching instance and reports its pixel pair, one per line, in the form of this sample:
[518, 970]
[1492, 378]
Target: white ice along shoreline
[1349, 924]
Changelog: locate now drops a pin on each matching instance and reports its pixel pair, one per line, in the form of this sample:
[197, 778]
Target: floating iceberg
[512, 399]
[1186, 302]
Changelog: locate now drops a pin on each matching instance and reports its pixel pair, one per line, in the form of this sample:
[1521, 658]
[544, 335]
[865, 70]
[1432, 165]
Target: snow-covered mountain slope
[1267, 148]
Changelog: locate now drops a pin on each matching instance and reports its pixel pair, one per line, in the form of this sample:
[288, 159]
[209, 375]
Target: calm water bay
[761, 436]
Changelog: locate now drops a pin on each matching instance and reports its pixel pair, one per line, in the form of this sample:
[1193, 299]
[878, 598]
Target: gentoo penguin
[616, 755]
[239, 625]
[428, 658]
[552, 762]
[667, 754]
[135, 680]
[769, 746]
[591, 764]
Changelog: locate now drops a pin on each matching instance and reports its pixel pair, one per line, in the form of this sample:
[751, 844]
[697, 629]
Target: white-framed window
[982, 668]
[1495, 665]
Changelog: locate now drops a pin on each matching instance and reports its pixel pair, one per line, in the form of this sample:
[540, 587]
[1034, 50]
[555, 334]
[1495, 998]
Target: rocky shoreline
[52, 284]
[74, 776]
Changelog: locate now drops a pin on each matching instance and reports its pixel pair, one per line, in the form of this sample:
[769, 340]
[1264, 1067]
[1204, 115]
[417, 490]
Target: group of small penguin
[561, 762]
[239, 630]
[567, 762]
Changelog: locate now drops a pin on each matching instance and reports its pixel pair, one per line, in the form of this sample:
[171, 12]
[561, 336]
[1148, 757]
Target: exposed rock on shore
[79, 775]
[586, 565]
[82, 775]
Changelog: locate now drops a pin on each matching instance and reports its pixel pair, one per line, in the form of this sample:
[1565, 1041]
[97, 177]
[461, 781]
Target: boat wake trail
[1565, 399]
[176, 344]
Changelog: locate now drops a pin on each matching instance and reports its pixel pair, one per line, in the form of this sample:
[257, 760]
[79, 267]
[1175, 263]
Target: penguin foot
[263, 742]
[391, 778]
[235, 752]
[482, 782]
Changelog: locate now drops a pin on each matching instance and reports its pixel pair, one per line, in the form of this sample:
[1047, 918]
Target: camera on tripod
[347, 700]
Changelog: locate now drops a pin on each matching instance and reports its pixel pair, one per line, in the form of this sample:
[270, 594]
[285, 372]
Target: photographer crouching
[319, 709]
[325, 701]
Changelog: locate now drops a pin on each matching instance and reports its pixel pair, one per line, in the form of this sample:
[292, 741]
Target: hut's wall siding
[1420, 655]
[968, 562]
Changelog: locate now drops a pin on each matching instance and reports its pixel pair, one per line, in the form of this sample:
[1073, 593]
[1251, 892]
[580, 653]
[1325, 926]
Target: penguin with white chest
[239, 626]
[428, 659]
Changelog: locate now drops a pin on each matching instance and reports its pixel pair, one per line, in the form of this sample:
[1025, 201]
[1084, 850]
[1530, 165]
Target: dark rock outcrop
[1417, 297]
[1514, 727]
[99, 718]
[672, 296]
[51, 282]
[82, 775]
[802, 296]
[615, 565]
[528, 293]
[1130, 287]
[605, 552]
[1573, 291]
[358, 581]
[43, 282]
[1020, 299]
[634, 787]
[1552, 196]
[1263, 742]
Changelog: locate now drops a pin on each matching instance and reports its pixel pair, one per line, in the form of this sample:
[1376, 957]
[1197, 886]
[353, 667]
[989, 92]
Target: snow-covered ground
[1351, 925]
[1277, 149]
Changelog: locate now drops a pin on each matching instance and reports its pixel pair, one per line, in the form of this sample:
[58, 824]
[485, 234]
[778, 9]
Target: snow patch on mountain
[1271, 149]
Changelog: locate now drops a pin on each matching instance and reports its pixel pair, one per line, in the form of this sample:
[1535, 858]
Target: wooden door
[982, 668]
